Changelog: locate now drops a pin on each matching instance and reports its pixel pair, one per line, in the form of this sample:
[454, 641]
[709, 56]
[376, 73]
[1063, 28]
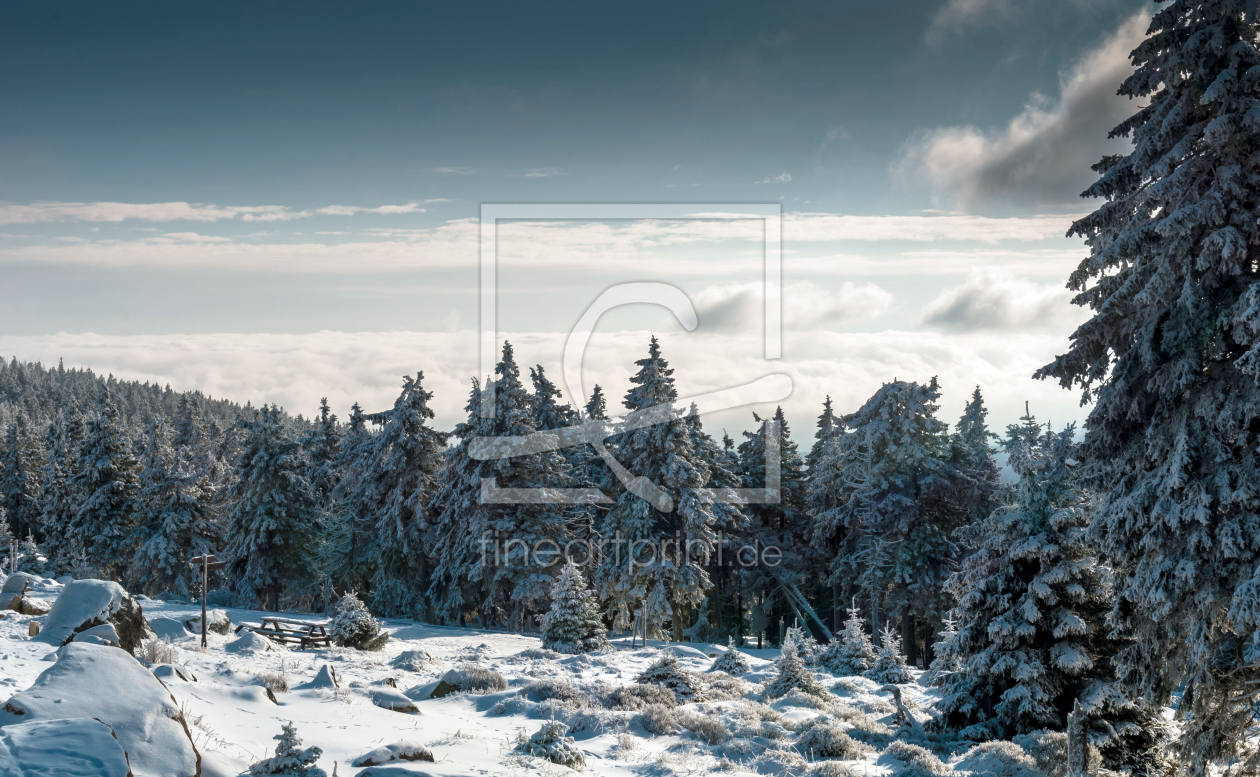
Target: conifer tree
[664, 454]
[733, 662]
[107, 481]
[20, 470]
[852, 653]
[791, 673]
[1170, 360]
[57, 500]
[323, 449]
[7, 539]
[827, 426]
[463, 543]
[344, 551]
[885, 495]
[1031, 602]
[354, 627]
[657, 611]
[176, 521]
[401, 481]
[890, 662]
[274, 514]
[30, 559]
[290, 759]
[573, 624]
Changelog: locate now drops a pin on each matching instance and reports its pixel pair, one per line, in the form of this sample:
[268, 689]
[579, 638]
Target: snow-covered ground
[233, 721]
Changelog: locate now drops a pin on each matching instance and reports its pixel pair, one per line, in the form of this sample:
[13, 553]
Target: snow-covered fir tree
[20, 470]
[890, 661]
[7, 538]
[344, 553]
[400, 483]
[290, 760]
[30, 559]
[852, 652]
[485, 552]
[977, 472]
[733, 661]
[827, 426]
[884, 494]
[945, 662]
[274, 514]
[573, 624]
[791, 674]
[323, 445]
[656, 610]
[463, 544]
[176, 520]
[57, 500]
[1170, 360]
[354, 627]
[1031, 601]
[108, 484]
[662, 455]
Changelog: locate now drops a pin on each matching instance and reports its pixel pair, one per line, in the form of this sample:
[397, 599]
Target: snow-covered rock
[217, 621]
[34, 607]
[102, 634]
[398, 751]
[413, 660]
[173, 673]
[390, 699]
[87, 603]
[249, 642]
[168, 628]
[325, 678]
[48, 748]
[16, 583]
[93, 681]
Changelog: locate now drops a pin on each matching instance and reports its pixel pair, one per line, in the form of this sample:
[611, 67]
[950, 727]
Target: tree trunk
[837, 609]
[908, 641]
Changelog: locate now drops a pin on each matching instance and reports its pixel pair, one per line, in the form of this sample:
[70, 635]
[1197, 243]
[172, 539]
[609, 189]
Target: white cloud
[295, 370]
[11, 213]
[956, 15]
[998, 301]
[806, 306]
[712, 245]
[784, 177]
[1043, 154]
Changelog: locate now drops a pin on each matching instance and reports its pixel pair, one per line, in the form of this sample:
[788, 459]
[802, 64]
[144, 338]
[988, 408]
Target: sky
[279, 202]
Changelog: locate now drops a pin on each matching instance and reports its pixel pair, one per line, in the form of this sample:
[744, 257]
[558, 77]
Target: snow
[53, 748]
[106, 683]
[233, 722]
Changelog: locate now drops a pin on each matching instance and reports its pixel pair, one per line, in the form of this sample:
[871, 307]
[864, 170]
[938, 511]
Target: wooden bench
[304, 634]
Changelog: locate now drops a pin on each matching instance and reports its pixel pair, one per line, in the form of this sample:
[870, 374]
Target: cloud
[806, 306]
[296, 370]
[956, 15]
[997, 301]
[1044, 153]
[784, 177]
[703, 246]
[11, 213]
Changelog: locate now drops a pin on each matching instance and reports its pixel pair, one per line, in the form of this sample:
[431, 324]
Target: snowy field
[232, 721]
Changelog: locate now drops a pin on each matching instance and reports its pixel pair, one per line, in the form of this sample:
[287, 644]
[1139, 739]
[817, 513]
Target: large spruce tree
[108, 483]
[1171, 361]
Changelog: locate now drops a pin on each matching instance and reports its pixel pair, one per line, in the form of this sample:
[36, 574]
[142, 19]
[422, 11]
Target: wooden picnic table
[304, 634]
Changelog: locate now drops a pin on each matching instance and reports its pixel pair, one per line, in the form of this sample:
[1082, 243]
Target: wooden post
[207, 562]
[1077, 745]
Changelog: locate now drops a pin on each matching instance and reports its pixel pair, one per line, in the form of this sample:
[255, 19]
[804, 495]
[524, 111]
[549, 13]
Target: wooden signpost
[207, 563]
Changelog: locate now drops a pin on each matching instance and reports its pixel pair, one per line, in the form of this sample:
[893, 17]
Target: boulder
[17, 583]
[46, 748]
[170, 628]
[390, 699]
[11, 602]
[413, 660]
[88, 603]
[102, 634]
[92, 681]
[35, 606]
[398, 751]
[168, 673]
[249, 642]
[216, 621]
[325, 678]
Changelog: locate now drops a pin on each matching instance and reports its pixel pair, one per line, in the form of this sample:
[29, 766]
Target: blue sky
[235, 197]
